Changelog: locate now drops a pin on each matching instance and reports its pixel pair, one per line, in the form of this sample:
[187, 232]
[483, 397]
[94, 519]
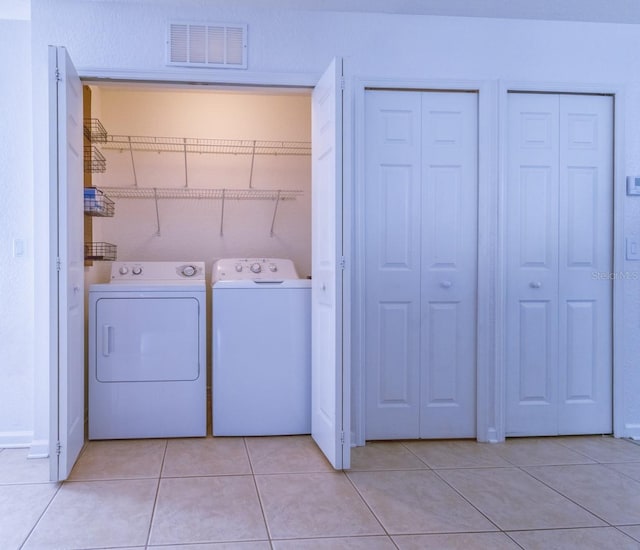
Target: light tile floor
[279, 493]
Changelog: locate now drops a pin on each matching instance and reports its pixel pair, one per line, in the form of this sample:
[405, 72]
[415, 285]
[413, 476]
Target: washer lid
[253, 269]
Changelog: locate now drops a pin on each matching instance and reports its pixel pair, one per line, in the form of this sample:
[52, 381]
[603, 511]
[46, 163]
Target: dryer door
[147, 339]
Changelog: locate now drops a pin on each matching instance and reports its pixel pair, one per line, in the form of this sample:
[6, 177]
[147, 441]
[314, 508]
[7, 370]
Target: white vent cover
[208, 45]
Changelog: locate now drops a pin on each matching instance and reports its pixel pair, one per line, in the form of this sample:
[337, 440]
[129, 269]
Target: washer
[147, 351]
[261, 348]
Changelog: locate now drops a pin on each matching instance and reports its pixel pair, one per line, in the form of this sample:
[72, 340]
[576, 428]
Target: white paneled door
[67, 249]
[559, 199]
[421, 193]
[328, 392]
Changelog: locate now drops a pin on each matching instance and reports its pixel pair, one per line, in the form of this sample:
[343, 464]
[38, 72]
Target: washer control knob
[189, 271]
[238, 268]
[256, 268]
[123, 270]
[273, 268]
[136, 270]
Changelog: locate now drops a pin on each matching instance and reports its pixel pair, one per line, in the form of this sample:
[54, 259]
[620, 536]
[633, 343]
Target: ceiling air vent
[220, 45]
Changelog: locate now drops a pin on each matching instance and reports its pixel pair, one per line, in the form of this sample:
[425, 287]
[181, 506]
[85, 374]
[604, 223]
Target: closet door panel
[586, 264]
[392, 279]
[449, 264]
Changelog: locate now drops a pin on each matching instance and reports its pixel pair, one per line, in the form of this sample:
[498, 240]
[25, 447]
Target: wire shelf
[100, 251]
[94, 130]
[191, 193]
[94, 160]
[96, 203]
[201, 145]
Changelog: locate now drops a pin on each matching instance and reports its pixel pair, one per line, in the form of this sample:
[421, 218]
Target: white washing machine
[147, 351]
[261, 334]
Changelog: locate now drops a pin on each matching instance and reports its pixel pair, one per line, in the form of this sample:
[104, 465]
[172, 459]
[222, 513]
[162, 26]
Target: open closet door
[328, 391]
[67, 255]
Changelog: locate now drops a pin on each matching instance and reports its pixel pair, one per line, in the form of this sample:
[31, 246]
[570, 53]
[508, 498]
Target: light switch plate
[633, 249]
[633, 185]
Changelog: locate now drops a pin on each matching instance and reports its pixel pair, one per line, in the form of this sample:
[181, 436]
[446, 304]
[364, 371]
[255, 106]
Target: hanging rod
[201, 145]
[190, 193]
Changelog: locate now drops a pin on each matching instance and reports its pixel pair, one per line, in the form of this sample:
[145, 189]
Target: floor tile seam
[617, 528]
[41, 515]
[574, 528]
[454, 489]
[298, 473]
[327, 537]
[474, 467]
[609, 466]
[27, 483]
[368, 506]
[155, 498]
[381, 470]
[404, 444]
[102, 479]
[258, 494]
[506, 534]
[577, 451]
[203, 475]
[522, 469]
[248, 452]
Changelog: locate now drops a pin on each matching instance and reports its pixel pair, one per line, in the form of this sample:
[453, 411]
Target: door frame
[616, 92]
[488, 416]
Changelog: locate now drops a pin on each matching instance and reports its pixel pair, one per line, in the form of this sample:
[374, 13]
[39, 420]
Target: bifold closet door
[559, 257]
[421, 264]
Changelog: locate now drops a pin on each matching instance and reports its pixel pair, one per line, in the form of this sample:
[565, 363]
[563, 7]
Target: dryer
[261, 366]
[147, 351]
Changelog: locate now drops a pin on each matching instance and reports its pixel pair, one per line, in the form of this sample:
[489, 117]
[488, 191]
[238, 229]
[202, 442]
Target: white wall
[106, 36]
[16, 221]
[190, 229]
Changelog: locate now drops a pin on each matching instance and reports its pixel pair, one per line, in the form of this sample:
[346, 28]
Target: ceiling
[601, 11]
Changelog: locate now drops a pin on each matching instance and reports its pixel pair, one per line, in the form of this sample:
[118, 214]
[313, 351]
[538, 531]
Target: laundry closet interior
[188, 173]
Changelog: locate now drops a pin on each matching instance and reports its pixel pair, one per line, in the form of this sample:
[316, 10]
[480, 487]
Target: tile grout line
[255, 485]
[364, 501]
[155, 500]
[60, 484]
[466, 499]
[557, 491]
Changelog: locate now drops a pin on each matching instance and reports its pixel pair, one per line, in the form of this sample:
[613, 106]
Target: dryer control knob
[238, 268]
[189, 271]
[256, 268]
[123, 270]
[136, 270]
[273, 268]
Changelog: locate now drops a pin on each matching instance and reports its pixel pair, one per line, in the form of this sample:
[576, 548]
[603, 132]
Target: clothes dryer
[147, 351]
[261, 333]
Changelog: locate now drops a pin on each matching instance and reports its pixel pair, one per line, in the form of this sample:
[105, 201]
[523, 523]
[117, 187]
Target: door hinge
[58, 448]
[57, 75]
[342, 262]
[342, 83]
[342, 438]
[58, 264]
